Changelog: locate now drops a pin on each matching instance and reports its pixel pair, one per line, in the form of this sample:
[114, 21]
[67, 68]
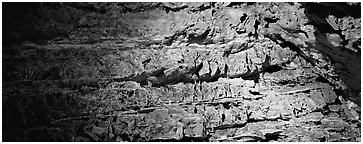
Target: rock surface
[181, 72]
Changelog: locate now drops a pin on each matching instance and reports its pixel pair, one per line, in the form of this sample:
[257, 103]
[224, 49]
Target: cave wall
[181, 71]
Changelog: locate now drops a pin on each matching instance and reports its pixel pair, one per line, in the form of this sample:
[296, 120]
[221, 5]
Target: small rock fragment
[312, 117]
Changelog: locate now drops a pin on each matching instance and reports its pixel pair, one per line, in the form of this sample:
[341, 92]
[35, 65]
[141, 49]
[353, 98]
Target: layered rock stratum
[206, 71]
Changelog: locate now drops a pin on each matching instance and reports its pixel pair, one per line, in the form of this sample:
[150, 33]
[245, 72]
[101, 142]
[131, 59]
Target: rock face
[181, 72]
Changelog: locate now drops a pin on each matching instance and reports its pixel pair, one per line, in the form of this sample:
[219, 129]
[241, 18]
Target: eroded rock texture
[181, 72]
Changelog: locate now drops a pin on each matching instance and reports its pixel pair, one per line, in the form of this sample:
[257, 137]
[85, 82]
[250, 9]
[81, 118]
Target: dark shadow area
[339, 9]
[36, 21]
[317, 14]
[273, 68]
[272, 136]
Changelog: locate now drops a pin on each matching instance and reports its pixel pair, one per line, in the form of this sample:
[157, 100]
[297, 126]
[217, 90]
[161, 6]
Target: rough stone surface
[158, 72]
